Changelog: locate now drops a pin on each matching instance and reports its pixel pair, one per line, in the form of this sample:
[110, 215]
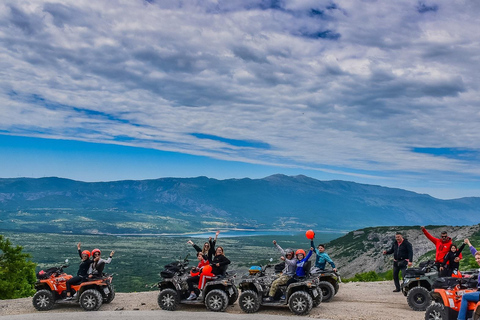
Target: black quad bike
[300, 296]
[217, 295]
[328, 282]
[417, 284]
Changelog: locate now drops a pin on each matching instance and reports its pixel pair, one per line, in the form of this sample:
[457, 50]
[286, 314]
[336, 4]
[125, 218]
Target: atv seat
[414, 272]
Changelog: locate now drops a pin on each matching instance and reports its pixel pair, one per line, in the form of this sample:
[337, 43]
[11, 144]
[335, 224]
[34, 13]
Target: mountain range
[178, 205]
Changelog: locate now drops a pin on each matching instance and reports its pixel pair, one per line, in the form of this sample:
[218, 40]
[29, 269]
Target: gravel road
[355, 300]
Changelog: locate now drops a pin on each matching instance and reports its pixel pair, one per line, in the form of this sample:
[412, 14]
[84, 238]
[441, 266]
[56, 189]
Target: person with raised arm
[471, 296]
[442, 246]
[208, 247]
[287, 273]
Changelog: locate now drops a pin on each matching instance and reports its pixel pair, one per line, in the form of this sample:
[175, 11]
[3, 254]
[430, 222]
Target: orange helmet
[96, 250]
[300, 251]
[86, 252]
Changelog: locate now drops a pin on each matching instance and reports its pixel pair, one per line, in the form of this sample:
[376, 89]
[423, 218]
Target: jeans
[466, 298]
[397, 267]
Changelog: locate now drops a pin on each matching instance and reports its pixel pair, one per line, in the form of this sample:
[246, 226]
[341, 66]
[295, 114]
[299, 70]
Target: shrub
[17, 272]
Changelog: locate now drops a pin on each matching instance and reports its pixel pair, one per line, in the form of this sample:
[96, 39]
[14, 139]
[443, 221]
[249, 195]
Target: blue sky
[378, 92]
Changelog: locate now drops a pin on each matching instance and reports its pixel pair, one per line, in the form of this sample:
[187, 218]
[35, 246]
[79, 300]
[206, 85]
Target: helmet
[288, 251]
[300, 251]
[86, 252]
[207, 269]
[96, 250]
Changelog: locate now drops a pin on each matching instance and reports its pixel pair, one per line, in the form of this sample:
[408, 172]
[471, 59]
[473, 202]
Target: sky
[376, 92]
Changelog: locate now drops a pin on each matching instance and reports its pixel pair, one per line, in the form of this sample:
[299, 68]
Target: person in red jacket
[442, 246]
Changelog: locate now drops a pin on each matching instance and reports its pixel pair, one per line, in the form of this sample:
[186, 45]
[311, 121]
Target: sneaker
[200, 296]
[69, 298]
[192, 296]
[283, 297]
[268, 299]
[396, 290]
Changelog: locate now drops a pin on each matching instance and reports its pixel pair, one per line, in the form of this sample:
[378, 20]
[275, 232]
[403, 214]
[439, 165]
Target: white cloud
[352, 86]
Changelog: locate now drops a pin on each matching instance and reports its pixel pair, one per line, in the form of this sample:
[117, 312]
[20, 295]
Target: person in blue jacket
[301, 261]
[322, 257]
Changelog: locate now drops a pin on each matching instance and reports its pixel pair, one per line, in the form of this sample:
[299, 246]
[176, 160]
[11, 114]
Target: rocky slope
[362, 250]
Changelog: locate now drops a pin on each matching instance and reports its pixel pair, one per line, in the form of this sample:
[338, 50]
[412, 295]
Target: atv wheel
[418, 298]
[300, 303]
[249, 301]
[318, 299]
[168, 299]
[216, 300]
[111, 295]
[91, 300]
[43, 300]
[328, 291]
[436, 311]
[233, 297]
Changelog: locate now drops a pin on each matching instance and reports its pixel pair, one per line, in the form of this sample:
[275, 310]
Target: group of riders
[213, 263]
[91, 267]
[447, 261]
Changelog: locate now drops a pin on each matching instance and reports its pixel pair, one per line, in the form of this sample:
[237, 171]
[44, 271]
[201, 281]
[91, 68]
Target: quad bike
[218, 293]
[447, 298]
[417, 284]
[328, 282]
[51, 288]
[300, 296]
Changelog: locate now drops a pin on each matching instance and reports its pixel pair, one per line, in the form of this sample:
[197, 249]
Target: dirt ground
[355, 300]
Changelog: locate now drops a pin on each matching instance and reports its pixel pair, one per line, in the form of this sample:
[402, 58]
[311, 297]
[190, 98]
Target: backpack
[170, 270]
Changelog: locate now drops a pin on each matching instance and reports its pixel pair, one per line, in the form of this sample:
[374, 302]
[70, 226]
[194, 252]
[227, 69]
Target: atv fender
[250, 285]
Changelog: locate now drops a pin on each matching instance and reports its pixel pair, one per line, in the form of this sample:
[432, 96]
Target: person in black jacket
[208, 247]
[82, 273]
[402, 257]
[451, 262]
[219, 263]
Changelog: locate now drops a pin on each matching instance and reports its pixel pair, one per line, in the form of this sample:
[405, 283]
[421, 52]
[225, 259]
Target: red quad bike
[447, 297]
[51, 288]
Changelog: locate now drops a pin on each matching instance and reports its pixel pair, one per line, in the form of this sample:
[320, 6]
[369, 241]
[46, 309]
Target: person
[402, 256]
[287, 273]
[442, 246]
[302, 260]
[321, 257]
[82, 273]
[195, 274]
[208, 247]
[98, 264]
[471, 296]
[219, 262]
[451, 262]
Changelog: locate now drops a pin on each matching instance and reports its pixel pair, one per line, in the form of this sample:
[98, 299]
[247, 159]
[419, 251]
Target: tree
[17, 272]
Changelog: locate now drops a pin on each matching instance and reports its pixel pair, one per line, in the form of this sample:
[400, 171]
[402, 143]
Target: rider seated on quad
[322, 258]
[208, 247]
[301, 271]
[287, 273]
[219, 263]
[82, 273]
[98, 264]
[471, 296]
[195, 274]
[451, 262]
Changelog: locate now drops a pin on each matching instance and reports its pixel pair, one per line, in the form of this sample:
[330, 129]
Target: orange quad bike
[447, 298]
[51, 289]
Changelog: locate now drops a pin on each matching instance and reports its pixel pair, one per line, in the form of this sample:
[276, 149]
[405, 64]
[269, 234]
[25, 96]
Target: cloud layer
[374, 88]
